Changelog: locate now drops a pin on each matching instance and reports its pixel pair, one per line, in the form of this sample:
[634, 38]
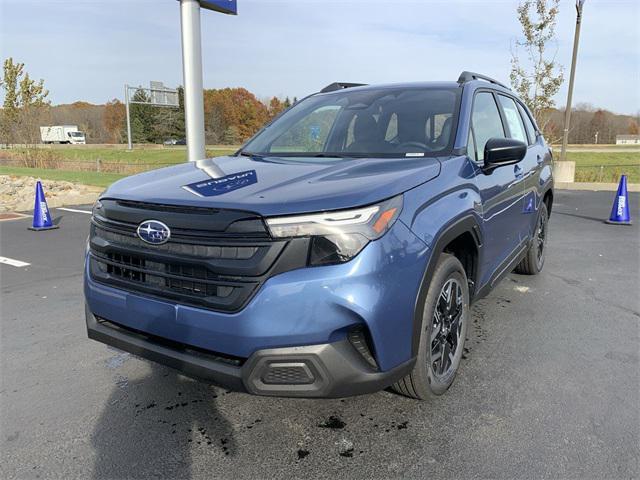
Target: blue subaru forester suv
[337, 252]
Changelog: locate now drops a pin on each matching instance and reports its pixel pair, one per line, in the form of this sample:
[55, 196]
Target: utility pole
[567, 113]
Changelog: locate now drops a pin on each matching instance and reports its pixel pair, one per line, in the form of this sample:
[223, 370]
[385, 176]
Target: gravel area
[17, 193]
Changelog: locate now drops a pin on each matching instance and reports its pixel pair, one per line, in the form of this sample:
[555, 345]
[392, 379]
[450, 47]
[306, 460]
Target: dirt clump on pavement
[18, 193]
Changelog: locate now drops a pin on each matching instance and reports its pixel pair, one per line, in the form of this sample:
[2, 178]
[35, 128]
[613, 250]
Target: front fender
[439, 218]
[434, 206]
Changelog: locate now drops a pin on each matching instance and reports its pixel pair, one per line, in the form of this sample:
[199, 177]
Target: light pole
[567, 113]
[126, 103]
[192, 69]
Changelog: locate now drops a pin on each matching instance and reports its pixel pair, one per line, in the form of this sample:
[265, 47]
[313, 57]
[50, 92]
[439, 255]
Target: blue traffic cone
[620, 211]
[41, 216]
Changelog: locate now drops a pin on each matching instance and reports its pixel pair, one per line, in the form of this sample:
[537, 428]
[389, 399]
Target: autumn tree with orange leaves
[113, 119]
[232, 115]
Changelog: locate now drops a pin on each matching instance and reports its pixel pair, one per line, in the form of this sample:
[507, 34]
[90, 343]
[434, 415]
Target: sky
[88, 49]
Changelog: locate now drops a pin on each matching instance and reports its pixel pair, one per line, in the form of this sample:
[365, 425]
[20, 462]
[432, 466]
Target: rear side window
[531, 130]
[485, 121]
[513, 118]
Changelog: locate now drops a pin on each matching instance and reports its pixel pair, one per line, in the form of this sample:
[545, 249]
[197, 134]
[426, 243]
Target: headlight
[337, 237]
[96, 208]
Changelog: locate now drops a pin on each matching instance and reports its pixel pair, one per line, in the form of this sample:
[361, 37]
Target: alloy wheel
[541, 235]
[446, 328]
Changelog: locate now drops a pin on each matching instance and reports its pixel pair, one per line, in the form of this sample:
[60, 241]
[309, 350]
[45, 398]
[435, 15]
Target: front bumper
[301, 317]
[326, 370]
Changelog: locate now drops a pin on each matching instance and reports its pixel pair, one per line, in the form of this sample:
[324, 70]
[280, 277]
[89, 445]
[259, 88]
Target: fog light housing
[358, 338]
[290, 373]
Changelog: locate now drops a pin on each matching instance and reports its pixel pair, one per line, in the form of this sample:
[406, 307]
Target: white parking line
[73, 210]
[13, 263]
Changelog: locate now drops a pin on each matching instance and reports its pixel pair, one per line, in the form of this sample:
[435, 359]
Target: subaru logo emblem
[153, 232]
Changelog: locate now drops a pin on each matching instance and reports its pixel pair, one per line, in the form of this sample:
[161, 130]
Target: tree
[113, 120]
[24, 106]
[538, 77]
[231, 135]
[154, 124]
[275, 107]
[138, 131]
[142, 117]
[232, 107]
[10, 107]
[598, 125]
[169, 121]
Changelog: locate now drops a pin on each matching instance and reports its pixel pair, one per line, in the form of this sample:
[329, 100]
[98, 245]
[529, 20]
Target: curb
[593, 186]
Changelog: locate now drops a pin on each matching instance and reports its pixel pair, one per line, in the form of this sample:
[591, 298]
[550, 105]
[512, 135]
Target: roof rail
[469, 76]
[340, 86]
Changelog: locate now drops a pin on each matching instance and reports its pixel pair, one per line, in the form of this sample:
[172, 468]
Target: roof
[424, 85]
[473, 78]
[404, 85]
[627, 137]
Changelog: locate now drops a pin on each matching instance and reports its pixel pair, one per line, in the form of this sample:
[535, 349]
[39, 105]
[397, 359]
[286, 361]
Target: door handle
[517, 171]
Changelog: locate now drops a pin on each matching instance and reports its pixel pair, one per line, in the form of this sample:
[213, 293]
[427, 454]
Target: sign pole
[192, 71]
[126, 102]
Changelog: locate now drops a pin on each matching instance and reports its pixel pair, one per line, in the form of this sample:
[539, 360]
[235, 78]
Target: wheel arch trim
[466, 224]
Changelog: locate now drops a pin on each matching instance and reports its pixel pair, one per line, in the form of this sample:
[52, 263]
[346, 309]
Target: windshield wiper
[328, 155]
[249, 154]
[291, 154]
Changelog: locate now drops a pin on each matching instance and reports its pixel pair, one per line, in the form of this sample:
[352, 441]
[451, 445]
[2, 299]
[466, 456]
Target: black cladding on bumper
[328, 370]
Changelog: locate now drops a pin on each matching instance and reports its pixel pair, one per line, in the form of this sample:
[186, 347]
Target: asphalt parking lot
[549, 386]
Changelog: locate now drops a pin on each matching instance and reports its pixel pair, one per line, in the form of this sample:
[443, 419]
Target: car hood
[277, 186]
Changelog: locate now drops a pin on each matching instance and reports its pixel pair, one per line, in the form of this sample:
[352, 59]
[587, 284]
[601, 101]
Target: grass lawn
[588, 164]
[614, 164]
[602, 158]
[139, 155]
[85, 178]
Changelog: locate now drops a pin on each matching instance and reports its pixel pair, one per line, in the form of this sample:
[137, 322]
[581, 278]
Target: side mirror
[503, 151]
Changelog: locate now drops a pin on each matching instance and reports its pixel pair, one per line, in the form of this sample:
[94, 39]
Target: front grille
[181, 279]
[204, 251]
[214, 269]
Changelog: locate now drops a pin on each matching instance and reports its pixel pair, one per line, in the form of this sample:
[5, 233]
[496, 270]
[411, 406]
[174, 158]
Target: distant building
[627, 139]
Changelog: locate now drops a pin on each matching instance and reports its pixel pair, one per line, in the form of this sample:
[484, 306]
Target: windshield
[77, 134]
[386, 122]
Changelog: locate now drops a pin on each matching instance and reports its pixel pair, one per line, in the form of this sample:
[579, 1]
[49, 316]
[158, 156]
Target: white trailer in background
[62, 134]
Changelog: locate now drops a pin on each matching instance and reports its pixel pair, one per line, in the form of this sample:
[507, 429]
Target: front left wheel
[444, 328]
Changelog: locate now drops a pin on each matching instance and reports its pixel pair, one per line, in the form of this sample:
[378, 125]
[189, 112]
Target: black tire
[425, 381]
[533, 261]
